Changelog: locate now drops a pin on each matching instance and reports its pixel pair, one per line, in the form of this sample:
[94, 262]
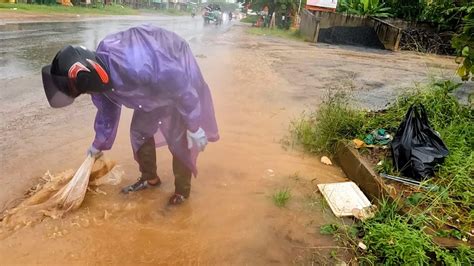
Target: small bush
[320, 131]
[281, 197]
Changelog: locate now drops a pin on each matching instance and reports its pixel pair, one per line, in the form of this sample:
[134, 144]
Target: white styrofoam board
[343, 197]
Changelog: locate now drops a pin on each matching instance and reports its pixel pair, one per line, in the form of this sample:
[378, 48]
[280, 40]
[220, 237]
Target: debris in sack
[60, 193]
[325, 160]
[416, 148]
[343, 197]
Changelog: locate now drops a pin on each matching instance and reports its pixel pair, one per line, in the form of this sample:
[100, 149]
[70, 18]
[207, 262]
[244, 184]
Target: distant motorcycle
[214, 16]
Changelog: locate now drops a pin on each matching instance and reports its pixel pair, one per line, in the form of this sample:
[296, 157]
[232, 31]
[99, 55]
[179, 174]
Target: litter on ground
[344, 197]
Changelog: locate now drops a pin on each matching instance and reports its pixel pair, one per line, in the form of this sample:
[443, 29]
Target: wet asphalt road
[230, 217]
[26, 47]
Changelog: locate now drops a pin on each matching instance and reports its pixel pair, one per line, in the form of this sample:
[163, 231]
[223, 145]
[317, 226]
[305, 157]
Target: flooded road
[258, 84]
[230, 216]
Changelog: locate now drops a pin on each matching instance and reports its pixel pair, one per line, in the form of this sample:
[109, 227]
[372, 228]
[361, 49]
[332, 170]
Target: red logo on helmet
[75, 69]
[104, 77]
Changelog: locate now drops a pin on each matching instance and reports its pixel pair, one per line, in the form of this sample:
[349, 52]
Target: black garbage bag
[417, 148]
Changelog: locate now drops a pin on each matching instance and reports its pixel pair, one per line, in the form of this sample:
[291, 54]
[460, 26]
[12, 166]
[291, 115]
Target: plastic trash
[416, 148]
[359, 143]
[343, 197]
[325, 160]
[71, 196]
[378, 137]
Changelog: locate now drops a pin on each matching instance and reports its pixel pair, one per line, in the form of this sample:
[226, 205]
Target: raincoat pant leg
[144, 126]
[182, 177]
[146, 158]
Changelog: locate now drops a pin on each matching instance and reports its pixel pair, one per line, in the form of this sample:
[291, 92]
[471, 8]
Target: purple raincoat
[153, 72]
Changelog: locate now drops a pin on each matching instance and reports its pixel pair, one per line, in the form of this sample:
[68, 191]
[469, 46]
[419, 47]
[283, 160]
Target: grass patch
[289, 34]
[47, 9]
[250, 19]
[393, 239]
[281, 197]
[167, 11]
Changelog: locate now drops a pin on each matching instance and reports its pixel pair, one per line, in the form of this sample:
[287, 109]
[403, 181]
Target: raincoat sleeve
[106, 121]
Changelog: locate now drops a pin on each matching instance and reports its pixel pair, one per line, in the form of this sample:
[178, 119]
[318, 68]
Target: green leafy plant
[281, 197]
[373, 8]
[328, 229]
[450, 233]
[415, 199]
[464, 45]
[406, 9]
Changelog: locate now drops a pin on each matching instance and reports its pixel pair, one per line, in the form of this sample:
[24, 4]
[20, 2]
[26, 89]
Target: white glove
[93, 151]
[197, 139]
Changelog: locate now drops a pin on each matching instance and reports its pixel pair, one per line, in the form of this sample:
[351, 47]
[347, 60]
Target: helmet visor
[56, 97]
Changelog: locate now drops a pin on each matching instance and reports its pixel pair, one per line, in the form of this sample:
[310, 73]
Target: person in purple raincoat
[153, 72]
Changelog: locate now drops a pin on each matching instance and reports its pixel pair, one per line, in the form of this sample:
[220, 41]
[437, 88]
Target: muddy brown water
[230, 218]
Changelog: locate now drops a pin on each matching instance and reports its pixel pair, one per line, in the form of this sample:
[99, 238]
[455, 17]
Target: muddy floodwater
[258, 84]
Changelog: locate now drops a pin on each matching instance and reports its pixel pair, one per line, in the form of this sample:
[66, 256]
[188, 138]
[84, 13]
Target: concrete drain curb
[361, 172]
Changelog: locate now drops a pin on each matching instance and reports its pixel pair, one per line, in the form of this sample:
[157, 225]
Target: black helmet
[74, 70]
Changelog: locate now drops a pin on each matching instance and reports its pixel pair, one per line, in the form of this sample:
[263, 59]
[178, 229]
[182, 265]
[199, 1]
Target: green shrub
[373, 8]
[320, 131]
[281, 197]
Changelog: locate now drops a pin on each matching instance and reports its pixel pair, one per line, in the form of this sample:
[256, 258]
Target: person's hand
[197, 139]
[93, 151]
